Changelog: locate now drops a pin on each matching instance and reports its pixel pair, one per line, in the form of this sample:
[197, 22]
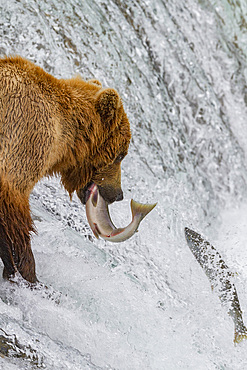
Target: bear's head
[107, 154]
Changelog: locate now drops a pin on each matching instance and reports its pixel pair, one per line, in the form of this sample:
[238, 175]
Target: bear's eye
[119, 158]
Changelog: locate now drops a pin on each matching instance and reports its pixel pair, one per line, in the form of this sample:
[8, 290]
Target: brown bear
[70, 127]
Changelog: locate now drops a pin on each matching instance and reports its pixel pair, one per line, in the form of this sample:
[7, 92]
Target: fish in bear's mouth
[84, 193]
[100, 221]
[107, 193]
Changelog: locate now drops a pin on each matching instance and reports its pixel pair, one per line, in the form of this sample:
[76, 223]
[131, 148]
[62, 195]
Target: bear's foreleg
[15, 228]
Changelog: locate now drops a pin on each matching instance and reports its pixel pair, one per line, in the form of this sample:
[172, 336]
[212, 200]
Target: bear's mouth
[108, 193]
[85, 192]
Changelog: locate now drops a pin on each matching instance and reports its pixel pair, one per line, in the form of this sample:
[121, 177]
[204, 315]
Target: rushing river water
[180, 67]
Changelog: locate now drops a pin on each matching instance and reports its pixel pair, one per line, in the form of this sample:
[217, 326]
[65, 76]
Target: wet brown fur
[73, 128]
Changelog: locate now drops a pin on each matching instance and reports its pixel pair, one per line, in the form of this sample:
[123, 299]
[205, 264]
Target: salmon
[100, 221]
[220, 278]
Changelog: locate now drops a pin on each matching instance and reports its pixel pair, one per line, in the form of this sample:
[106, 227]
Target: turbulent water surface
[180, 67]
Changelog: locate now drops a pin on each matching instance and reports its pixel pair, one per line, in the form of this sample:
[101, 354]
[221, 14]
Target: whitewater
[181, 70]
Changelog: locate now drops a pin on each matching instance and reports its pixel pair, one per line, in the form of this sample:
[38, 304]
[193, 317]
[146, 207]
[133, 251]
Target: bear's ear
[107, 104]
[95, 82]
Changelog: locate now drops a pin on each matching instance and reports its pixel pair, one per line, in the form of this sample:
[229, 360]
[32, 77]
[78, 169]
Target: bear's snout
[110, 194]
[119, 196]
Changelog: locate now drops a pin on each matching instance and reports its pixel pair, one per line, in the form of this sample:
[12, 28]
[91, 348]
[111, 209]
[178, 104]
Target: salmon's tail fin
[141, 209]
[240, 335]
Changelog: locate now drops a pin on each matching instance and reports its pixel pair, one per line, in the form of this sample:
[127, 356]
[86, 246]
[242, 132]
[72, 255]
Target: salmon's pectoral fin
[96, 231]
